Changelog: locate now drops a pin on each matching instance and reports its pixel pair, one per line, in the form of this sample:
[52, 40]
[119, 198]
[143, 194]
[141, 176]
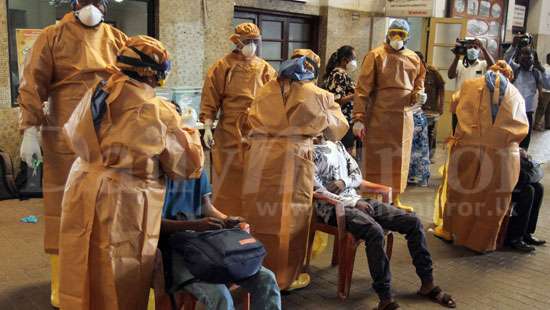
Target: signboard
[410, 8]
[24, 40]
[519, 16]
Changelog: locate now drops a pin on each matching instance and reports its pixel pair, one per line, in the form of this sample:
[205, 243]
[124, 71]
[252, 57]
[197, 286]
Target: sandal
[391, 306]
[438, 296]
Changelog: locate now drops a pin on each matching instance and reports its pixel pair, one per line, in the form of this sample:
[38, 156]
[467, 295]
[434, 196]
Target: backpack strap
[9, 173]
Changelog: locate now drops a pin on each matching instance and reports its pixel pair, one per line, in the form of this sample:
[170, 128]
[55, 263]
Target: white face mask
[351, 66]
[249, 50]
[397, 44]
[89, 15]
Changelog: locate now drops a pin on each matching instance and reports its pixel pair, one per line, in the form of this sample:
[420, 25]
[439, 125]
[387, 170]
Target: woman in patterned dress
[338, 81]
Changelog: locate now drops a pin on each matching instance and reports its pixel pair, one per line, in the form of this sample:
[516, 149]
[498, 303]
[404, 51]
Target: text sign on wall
[407, 8]
[519, 16]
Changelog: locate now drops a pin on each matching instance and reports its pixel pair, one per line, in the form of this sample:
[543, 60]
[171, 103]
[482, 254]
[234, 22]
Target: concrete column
[181, 27]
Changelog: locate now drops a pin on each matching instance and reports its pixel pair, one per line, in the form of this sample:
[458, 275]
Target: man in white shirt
[470, 67]
[337, 178]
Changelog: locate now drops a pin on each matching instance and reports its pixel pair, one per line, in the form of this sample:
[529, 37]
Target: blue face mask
[472, 54]
[295, 70]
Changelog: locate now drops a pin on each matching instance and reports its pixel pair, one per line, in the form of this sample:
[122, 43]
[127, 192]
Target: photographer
[471, 66]
[530, 77]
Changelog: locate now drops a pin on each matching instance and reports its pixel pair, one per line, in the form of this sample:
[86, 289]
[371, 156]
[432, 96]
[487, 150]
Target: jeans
[262, 287]
[432, 135]
[527, 203]
[370, 228]
[527, 140]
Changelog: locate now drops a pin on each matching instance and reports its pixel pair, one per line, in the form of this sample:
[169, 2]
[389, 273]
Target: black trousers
[432, 135]
[526, 203]
[370, 228]
[527, 140]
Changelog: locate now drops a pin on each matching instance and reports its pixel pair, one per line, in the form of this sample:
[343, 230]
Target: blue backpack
[219, 256]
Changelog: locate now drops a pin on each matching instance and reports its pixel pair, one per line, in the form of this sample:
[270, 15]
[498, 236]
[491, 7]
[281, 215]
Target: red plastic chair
[345, 244]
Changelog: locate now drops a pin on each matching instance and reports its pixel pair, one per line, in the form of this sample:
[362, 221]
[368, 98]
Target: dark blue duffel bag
[219, 256]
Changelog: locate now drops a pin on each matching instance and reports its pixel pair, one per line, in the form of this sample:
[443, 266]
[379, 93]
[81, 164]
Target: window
[27, 17]
[485, 20]
[281, 32]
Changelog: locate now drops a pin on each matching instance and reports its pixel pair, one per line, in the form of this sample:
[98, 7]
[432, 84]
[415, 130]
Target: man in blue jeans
[187, 206]
[337, 178]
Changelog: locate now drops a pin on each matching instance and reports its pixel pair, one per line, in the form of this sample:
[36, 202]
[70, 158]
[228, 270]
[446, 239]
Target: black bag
[219, 256]
[29, 181]
[8, 190]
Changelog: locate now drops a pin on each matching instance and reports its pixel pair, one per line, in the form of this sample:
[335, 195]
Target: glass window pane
[275, 64]
[484, 8]
[272, 30]
[294, 45]
[237, 20]
[473, 6]
[459, 6]
[496, 10]
[477, 27]
[271, 50]
[299, 32]
[442, 57]
[447, 33]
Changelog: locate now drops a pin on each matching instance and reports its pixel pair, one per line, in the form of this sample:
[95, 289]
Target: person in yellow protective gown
[390, 83]
[483, 166]
[278, 176]
[66, 60]
[127, 140]
[229, 88]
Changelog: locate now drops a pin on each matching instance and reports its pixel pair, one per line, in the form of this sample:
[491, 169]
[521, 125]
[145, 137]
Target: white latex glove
[208, 138]
[358, 130]
[421, 98]
[189, 118]
[30, 146]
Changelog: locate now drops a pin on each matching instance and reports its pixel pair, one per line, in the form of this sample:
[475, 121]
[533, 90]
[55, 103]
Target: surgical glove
[359, 130]
[421, 98]
[30, 146]
[208, 138]
[189, 118]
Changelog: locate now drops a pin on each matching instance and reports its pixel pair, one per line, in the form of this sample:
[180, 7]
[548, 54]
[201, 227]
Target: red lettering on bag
[247, 241]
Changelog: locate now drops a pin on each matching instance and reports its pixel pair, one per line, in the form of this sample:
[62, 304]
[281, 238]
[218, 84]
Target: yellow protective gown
[113, 201]
[66, 60]
[278, 176]
[229, 88]
[383, 97]
[483, 166]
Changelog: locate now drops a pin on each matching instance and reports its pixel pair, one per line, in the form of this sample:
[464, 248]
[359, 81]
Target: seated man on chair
[337, 178]
[527, 199]
[187, 206]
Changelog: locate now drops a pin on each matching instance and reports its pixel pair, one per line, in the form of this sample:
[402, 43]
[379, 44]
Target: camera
[462, 45]
[525, 39]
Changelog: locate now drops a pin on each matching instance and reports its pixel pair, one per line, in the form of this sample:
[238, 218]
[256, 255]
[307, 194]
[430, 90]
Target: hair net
[145, 56]
[400, 24]
[245, 31]
[296, 69]
[502, 67]
[312, 60]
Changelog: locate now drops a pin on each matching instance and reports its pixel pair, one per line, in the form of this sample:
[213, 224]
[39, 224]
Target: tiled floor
[500, 280]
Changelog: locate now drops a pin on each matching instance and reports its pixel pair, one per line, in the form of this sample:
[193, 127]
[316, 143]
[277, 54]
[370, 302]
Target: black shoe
[529, 239]
[521, 246]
